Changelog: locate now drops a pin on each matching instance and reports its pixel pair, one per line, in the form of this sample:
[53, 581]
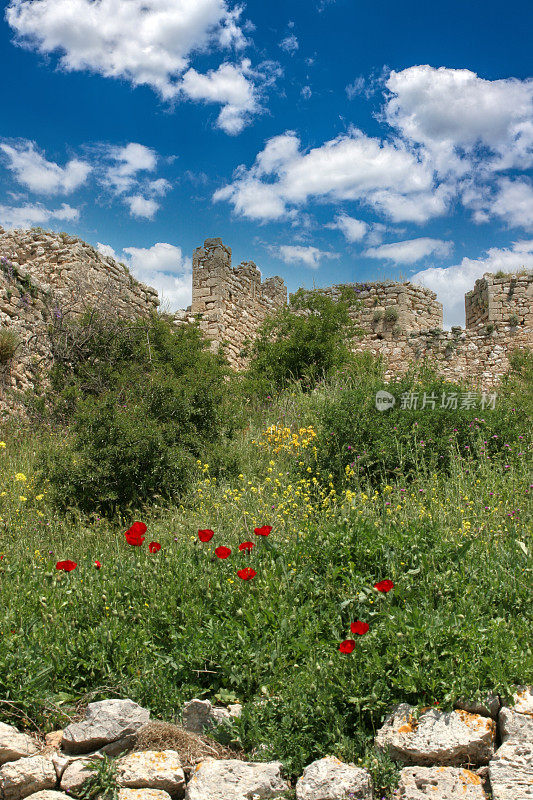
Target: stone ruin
[46, 276]
[400, 322]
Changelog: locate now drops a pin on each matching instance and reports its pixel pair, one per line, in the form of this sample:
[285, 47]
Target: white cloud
[353, 229]
[459, 117]
[514, 203]
[140, 206]
[31, 169]
[289, 44]
[148, 42]
[35, 214]
[352, 166]
[162, 266]
[306, 92]
[452, 283]
[300, 254]
[159, 187]
[355, 88]
[128, 161]
[228, 85]
[410, 250]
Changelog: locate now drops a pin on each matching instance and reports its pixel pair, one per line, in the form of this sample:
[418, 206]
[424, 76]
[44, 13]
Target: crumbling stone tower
[500, 300]
[233, 301]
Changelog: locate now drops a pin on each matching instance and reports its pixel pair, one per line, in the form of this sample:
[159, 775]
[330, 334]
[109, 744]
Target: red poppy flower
[222, 552]
[206, 535]
[154, 547]
[359, 627]
[347, 646]
[66, 566]
[97, 564]
[247, 573]
[135, 534]
[247, 546]
[384, 586]
[263, 531]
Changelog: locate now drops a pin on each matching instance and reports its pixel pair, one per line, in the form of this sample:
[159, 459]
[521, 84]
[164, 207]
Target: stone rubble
[444, 756]
[14, 745]
[439, 783]
[454, 738]
[200, 715]
[109, 722]
[331, 779]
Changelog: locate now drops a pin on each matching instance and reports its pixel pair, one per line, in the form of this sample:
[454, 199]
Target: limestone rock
[523, 700]
[155, 769]
[437, 738]
[488, 706]
[18, 779]
[331, 779]
[143, 794]
[238, 780]
[48, 794]
[518, 727]
[439, 783]
[75, 775]
[54, 739]
[200, 715]
[511, 771]
[14, 744]
[105, 723]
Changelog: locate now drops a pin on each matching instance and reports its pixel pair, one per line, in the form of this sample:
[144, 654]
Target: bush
[143, 401]
[391, 315]
[8, 345]
[357, 439]
[304, 346]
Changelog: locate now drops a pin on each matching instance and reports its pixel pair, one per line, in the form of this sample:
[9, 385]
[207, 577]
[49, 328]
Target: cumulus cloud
[514, 203]
[352, 166]
[162, 266]
[228, 85]
[300, 254]
[35, 214]
[289, 44]
[127, 162]
[32, 170]
[410, 250]
[452, 283]
[459, 117]
[147, 42]
[140, 206]
[353, 229]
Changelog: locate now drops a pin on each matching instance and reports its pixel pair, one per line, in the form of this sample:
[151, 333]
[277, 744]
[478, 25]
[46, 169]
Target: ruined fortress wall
[233, 301]
[45, 276]
[500, 300]
[383, 305]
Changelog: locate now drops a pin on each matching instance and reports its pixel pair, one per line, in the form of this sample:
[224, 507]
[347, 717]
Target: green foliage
[8, 345]
[143, 399]
[306, 346]
[103, 782]
[381, 445]
[391, 314]
[514, 320]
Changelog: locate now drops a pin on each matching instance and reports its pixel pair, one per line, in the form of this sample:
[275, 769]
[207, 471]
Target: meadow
[436, 505]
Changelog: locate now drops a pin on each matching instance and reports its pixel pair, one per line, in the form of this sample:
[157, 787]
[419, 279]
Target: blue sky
[328, 141]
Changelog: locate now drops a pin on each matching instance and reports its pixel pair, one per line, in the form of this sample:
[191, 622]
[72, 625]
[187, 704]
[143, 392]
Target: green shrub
[305, 346]
[8, 345]
[514, 320]
[391, 314]
[143, 401]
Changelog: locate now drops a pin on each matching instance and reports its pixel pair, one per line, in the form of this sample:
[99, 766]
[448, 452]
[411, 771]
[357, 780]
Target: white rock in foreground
[511, 771]
[230, 779]
[518, 727]
[523, 700]
[75, 775]
[14, 744]
[486, 707]
[331, 779]
[47, 794]
[439, 783]
[142, 794]
[105, 723]
[154, 769]
[18, 779]
[438, 738]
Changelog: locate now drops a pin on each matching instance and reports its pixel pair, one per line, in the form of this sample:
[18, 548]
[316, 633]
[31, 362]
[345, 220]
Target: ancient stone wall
[401, 322]
[232, 301]
[500, 300]
[46, 277]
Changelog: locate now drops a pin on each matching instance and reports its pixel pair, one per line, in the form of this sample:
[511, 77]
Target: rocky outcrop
[15, 745]
[220, 780]
[331, 779]
[106, 723]
[439, 783]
